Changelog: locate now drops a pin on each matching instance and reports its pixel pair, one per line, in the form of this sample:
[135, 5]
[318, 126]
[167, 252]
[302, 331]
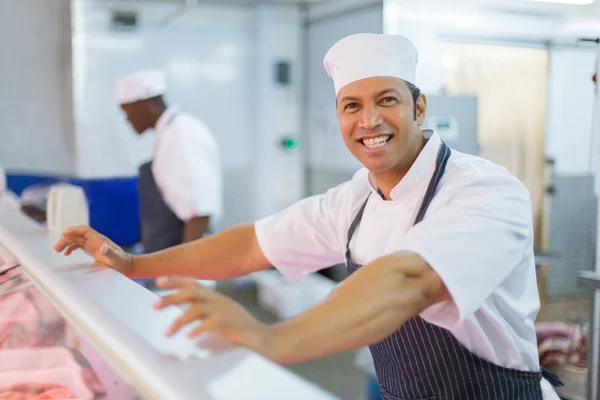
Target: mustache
[382, 129]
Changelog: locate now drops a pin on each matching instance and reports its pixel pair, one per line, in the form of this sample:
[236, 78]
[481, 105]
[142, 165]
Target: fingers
[71, 248]
[185, 296]
[194, 313]
[64, 242]
[186, 284]
[80, 230]
[207, 325]
[203, 301]
[72, 235]
[61, 245]
[176, 282]
[188, 290]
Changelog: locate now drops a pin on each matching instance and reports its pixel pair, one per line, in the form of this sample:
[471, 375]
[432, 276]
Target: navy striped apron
[422, 361]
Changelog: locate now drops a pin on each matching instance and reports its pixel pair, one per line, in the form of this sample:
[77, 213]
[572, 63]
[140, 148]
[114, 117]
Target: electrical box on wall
[454, 118]
[283, 72]
[445, 126]
[123, 20]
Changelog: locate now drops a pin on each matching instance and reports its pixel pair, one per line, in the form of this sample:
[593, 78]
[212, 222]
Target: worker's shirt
[477, 235]
[187, 167]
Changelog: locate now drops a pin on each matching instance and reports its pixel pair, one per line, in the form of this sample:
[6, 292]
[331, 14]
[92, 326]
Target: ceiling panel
[216, 2]
[528, 7]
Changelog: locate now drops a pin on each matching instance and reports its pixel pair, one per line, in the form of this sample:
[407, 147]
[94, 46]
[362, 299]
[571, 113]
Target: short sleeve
[474, 242]
[189, 176]
[307, 236]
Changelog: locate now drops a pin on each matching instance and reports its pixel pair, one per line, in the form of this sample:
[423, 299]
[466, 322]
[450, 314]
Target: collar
[419, 173]
[165, 118]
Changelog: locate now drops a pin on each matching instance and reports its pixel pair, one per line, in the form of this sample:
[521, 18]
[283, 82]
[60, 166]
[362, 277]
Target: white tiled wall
[327, 149]
[220, 63]
[277, 108]
[572, 233]
[57, 106]
[571, 101]
[207, 52]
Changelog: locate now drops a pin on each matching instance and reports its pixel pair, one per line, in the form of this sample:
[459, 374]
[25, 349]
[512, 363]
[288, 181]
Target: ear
[421, 108]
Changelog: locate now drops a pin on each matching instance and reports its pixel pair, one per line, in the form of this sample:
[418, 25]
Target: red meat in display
[34, 392]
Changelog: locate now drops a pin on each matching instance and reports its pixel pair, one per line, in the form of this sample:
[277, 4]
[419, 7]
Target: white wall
[430, 26]
[220, 62]
[327, 148]
[320, 10]
[207, 53]
[570, 101]
[278, 35]
[36, 129]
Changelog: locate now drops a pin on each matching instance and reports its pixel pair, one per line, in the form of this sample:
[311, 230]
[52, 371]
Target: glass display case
[69, 330]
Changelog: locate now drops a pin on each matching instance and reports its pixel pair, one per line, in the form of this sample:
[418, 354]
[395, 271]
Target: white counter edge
[69, 283]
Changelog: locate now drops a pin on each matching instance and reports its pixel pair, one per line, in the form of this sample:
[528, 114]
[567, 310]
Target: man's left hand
[218, 313]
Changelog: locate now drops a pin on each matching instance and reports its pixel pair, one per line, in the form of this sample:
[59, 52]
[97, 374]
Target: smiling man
[438, 245]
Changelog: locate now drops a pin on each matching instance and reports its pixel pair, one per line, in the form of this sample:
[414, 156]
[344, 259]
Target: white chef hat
[368, 55]
[141, 85]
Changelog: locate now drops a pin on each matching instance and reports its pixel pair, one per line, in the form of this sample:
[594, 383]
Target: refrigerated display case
[72, 330]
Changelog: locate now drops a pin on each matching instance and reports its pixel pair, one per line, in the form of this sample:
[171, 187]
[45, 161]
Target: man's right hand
[98, 246]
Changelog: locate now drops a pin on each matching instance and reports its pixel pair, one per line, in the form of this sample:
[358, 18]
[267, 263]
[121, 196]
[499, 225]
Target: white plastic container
[285, 299]
[67, 207]
[2, 180]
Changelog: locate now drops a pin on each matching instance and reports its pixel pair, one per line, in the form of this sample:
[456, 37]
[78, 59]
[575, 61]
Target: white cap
[368, 55]
[141, 85]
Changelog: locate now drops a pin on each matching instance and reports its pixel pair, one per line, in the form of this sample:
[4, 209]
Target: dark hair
[416, 92]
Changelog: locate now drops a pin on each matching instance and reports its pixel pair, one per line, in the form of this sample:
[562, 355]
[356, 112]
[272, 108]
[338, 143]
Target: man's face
[136, 116]
[377, 119]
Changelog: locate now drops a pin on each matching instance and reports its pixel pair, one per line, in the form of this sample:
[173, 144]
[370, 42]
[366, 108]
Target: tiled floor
[336, 374]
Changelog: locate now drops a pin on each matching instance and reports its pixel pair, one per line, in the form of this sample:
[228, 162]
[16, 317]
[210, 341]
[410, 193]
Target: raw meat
[561, 344]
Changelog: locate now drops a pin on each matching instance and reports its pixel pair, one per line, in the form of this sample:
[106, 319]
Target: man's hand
[218, 313]
[98, 246]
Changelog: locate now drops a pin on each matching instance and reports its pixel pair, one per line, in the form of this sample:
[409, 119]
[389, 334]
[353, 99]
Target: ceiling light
[576, 2]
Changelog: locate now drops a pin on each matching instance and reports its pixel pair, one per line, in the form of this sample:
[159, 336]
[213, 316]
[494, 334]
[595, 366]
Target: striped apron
[160, 227]
[422, 361]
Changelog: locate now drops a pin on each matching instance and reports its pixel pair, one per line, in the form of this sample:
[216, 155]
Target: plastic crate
[286, 299]
[575, 380]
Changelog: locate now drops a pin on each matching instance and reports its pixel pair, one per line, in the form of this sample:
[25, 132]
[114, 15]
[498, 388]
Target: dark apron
[160, 227]
[422, 361]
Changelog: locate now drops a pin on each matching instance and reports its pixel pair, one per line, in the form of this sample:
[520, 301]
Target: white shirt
[477, 235]
[186, 166]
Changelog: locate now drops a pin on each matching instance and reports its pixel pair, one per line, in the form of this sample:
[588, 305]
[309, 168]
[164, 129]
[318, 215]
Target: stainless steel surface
[546, 257]
[590, 282]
